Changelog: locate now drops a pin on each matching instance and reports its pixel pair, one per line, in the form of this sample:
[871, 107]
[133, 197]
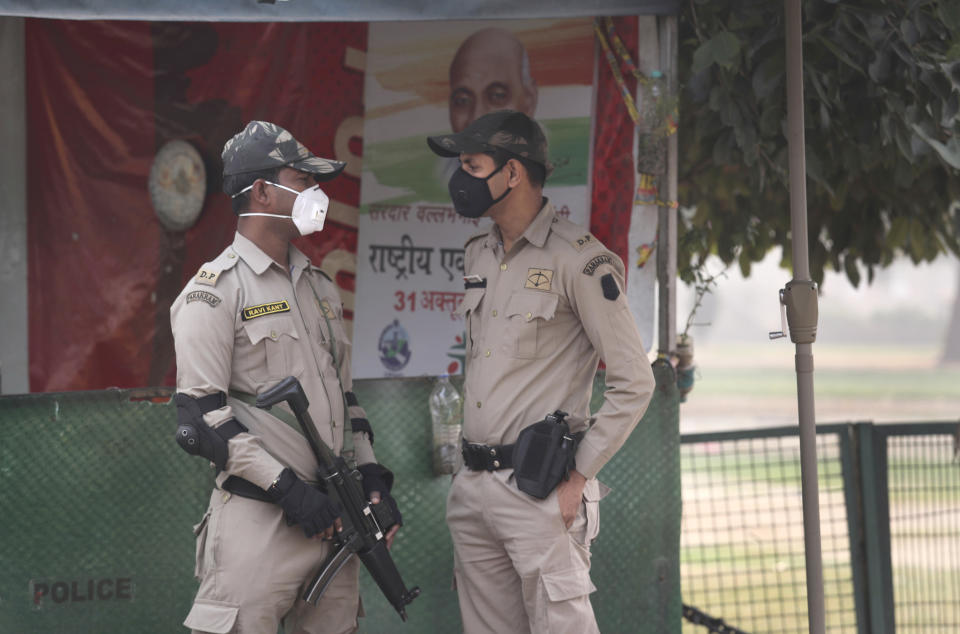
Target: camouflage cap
[507, 130]
[263, 145]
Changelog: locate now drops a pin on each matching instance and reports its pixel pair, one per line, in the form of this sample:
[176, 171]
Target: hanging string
[623, 52]
[617, 75]
[646, 192]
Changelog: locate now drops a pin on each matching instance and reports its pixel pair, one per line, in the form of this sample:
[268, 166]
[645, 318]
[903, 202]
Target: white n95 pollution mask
[309, 209]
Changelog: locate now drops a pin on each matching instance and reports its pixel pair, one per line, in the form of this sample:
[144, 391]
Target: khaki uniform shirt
[243, 324]
[550, 309]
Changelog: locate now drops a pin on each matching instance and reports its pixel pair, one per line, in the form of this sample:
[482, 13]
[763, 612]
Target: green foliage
[881, 101]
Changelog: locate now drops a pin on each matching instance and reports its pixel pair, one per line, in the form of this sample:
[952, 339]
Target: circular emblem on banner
[177, 185]
[394, 347]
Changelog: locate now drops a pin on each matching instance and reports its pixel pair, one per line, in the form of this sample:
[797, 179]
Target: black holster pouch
[544, 454]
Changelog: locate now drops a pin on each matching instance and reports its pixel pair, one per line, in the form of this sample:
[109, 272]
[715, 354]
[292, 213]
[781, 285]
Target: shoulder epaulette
[573, 233]
[209, 273]
[321, 272]
[475, 237]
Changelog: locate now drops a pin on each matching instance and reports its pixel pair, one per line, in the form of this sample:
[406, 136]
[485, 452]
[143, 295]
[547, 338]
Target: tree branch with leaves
[881, 102]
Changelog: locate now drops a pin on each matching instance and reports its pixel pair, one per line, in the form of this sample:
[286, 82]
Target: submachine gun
[364, 524]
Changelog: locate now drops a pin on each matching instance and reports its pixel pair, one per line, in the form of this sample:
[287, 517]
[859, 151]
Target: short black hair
[536, 172]
[238, 182]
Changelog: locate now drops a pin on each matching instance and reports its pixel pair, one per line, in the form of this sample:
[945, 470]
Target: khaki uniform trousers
[253, 568]
[518, 569]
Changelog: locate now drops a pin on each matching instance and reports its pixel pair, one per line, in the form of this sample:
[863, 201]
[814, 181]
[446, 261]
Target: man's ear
[515, 171]
[259, 193]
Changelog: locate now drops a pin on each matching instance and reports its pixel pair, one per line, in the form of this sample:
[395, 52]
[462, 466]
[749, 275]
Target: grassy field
[749, 386]
[742, 549]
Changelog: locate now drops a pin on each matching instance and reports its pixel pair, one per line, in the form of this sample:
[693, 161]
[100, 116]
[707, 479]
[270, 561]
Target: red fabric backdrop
[613, 168]
[103, 97]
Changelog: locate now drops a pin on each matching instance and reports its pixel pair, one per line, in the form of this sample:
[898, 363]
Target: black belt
[478, 457]
[245, 489]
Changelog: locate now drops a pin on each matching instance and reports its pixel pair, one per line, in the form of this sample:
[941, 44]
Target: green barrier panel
[97, 504]
[636, 558]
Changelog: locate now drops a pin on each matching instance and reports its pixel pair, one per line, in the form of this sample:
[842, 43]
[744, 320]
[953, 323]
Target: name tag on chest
[260, 310]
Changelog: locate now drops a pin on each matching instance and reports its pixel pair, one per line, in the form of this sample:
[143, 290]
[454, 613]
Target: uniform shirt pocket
[275, 338]
[469, 308]
[338, 331]
[527, 313]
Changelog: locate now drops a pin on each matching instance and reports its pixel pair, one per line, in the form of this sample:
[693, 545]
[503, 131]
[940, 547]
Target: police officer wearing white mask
[254, 315]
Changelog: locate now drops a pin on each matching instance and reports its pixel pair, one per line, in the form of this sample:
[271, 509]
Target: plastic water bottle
[446, 410]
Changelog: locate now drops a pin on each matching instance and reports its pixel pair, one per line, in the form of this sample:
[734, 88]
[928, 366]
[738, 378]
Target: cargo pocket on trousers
[567, 584]
[212, 616]
[200, 532]
[593, 492]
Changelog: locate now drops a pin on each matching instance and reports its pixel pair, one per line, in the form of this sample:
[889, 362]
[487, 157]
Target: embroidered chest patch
[203, 296]
[269, 308]
[540, 279]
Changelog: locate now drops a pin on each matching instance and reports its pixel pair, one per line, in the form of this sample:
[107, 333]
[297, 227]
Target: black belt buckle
[473, 456]
[484, 457]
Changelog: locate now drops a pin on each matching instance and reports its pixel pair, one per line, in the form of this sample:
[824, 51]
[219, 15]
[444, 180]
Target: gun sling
[241, 486]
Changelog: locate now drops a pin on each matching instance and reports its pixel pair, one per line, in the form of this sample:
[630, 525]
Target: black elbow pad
[199, 439]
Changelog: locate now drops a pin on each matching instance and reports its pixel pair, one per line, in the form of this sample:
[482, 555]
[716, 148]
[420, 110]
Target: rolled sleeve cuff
[362, 449]
[250, 461]
[589, 459]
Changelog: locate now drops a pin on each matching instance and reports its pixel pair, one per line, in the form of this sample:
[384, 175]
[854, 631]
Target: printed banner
[423, 80]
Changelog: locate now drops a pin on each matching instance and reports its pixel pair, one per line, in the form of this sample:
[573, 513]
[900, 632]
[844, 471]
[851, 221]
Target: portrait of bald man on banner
[490, 71]
[420, 81]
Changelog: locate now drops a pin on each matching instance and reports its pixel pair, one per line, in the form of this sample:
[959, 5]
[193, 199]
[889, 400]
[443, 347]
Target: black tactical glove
[378, 478]
[302, 504]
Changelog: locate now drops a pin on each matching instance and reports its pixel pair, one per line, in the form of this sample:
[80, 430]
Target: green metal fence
[889, 523]
[97, 504]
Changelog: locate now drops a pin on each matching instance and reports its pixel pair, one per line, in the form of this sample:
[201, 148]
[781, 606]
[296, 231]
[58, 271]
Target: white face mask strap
[250, 186]
[256, 213]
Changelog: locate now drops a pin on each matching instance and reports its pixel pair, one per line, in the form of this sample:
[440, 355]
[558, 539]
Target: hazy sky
[904, 304]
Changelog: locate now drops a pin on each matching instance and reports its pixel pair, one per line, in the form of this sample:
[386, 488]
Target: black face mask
[471, 195]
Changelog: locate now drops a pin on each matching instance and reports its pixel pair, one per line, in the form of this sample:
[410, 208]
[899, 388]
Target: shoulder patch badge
[610, 289]
[269, 308]
[539, 279]
[203, 296]
[595, 263]
[584, 241]
[207, 276]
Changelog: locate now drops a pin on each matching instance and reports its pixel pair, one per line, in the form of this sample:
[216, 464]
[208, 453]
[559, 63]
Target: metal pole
[14, 354]
[667, 217]
[804, 351]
